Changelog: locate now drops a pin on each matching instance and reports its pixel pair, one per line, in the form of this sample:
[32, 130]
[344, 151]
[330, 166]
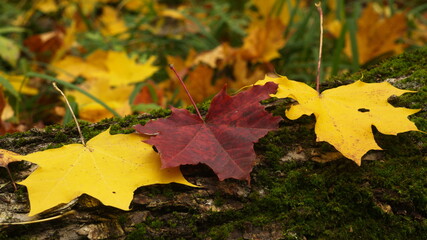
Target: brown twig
[319, 62]
[72, 112]
[186, 90]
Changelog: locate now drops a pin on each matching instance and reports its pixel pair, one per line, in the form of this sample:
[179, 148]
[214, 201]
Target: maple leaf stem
[11, 178]
[186, 90]
[319, 62]
[72, 113]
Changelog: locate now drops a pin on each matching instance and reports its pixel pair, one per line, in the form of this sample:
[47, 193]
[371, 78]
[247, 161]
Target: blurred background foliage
[111, 56]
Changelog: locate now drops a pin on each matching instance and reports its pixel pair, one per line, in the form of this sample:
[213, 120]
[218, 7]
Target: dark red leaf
[224, 141]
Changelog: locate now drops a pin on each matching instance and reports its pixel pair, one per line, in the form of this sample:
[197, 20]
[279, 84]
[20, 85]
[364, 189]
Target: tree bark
[300, 189]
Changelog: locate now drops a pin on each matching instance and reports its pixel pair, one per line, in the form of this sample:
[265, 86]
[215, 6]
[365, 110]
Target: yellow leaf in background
[7, 157]
[46, 6]
[115, 67]
[345, 115]
[272, 9]
[172, 13]
[19, 85]
[377, 35]
[211, 57]
[123, 70]
[109, 168]
[264, 41]
[7, 112]
[68, 40]
[112, 24]
[71, 67]
[141, 5]
[117, 98]
[334, 27]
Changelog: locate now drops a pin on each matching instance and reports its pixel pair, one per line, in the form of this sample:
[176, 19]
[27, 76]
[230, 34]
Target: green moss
[383, 199]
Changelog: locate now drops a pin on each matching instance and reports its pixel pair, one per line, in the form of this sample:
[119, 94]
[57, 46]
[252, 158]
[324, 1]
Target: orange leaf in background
[145, 95]
[199, 84]
[264, 41]
[182, 66]
[377, 35]
[46, 44]
[245, 76]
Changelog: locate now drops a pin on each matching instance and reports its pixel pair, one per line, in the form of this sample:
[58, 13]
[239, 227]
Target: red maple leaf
[223, 140]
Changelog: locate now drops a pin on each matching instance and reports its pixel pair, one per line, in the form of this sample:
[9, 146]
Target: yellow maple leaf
[117, 98]
[7, 157]
[112, 24]
[109, 168]
[211, 57]
[115, 67]
[375, 36]
[19, 84]
[344, 115]
[71, 67]
[123, 70]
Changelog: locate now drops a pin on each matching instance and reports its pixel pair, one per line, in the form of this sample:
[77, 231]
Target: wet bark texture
[299, 189]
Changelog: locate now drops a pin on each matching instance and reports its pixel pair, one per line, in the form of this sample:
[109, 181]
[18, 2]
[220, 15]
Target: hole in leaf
[363, 110]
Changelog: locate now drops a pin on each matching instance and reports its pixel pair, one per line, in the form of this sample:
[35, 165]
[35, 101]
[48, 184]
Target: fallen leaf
[199, 81]
[150, 93]
[115, 67]
[271, 8]
[244, 75]
[71, 67]
[112, 24]
[109, 168]
[374, 35]
[223, 140]
[19, 84]
[345, 115]
[117, 98]
[123, 70]
[45, 45]
[211, 57]
[263, 42]
[7, 157]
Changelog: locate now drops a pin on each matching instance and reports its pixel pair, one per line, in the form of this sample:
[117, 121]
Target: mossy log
[296, 191]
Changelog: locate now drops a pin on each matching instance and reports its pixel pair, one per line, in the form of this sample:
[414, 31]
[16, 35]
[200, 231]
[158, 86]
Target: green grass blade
[339, 46]
[11, 29]
[69, 85]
